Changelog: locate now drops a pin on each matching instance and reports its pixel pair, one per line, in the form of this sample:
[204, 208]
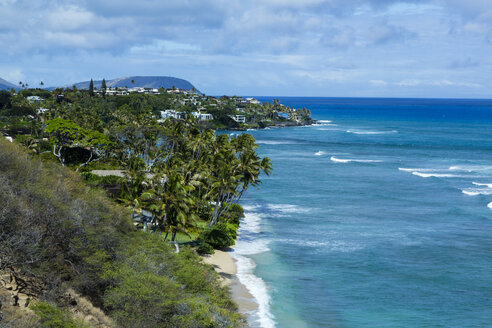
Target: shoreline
[225, 265]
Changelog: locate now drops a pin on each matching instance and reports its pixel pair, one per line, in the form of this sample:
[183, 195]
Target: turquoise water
[379, 216]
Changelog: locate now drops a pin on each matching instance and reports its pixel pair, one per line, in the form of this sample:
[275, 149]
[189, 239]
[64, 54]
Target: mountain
[140, 81]
[5, 85]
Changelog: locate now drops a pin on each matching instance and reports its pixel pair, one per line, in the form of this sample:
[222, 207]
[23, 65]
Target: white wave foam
[471, 168]
[288, 208]
[257, 288]
[476, 192]
[417, 169]
[273, 142]
[435, 175]
[249, 243]
[319, 153]
[349, 160]
[490, 205]
[332, 245]
[488, 185]
[325, 121]
[362, 132]
[251, 222]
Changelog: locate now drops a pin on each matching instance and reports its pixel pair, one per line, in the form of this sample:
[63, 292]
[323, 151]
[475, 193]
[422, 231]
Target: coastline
[225, 265]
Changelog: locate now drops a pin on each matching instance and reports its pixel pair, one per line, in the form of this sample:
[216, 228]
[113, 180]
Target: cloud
[226, 45]
[463, 63]
[378, 83]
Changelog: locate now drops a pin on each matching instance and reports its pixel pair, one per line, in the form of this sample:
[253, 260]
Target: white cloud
[331, 46]
[378, 83]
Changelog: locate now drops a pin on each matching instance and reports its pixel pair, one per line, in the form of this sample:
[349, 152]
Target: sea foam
[249, 242]
[490, 205]
[319, 153]
[434, 175]
[349, 160]
[362, 132]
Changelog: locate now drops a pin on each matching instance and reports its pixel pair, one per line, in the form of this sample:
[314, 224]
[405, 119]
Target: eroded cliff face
[16, 295]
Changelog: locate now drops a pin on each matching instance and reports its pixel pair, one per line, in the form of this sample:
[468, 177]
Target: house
[42, 110]
[169, 113]
[35, 99]
[238, 118]
[252, 101]
[203, 116]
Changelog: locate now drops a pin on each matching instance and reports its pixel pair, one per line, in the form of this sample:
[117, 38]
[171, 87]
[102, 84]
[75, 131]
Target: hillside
[6, 85]
[140, 81]
[59, 236]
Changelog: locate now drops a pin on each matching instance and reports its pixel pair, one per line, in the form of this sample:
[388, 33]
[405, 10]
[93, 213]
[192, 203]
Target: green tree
[66, 134]
[91, 88]
[103, 87]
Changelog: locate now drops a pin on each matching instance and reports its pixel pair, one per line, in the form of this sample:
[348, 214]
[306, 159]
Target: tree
[91, 88]
[41, 83]
[103, 87]
[66, 134]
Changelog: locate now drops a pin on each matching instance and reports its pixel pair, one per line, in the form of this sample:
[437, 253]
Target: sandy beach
[225, 266]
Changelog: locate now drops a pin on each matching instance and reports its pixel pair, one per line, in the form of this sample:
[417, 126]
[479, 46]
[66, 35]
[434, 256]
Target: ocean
[378, 216]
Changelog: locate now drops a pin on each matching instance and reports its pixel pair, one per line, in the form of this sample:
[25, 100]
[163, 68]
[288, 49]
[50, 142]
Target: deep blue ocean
[378, 216]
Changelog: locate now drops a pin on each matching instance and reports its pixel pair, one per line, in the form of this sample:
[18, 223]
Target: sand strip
[225, 266]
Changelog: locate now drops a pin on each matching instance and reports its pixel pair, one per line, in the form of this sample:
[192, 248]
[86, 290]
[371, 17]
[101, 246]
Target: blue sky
[364, 48]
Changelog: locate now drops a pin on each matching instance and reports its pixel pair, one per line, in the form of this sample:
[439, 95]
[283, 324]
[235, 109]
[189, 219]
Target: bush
[219, 236]
[54, 317]
[152, 286]
[205, 248]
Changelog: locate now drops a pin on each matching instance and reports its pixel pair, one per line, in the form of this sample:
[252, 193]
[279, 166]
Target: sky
[331, 48]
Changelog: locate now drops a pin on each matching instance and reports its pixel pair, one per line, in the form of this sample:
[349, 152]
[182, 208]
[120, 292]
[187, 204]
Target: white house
[42, 110]
[34, 99]
[169, 113]
[203, 116]
[252, 101]
[238, 118]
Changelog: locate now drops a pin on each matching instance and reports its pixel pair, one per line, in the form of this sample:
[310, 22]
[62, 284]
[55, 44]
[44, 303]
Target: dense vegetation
[175, 179]
[56, 232]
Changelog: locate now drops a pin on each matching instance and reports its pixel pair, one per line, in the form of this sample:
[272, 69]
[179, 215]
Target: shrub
[219, 236]
[54, 317]
[205, 248]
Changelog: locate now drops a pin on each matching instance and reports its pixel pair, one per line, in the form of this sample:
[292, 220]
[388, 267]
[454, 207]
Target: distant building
[238, 118]
[165, 114]
[35, 99]
[42, 110]
[203, 116]
[252, 101]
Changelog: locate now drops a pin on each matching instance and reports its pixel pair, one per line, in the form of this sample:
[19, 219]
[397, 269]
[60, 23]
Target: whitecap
[349, 160]
[325, 121]
[273, 142]
[366, 132]
[330, 245]
[417, 169]
[435, 175]
[476, 192]
[288, 208]
[319, 153]
[471, 168]
[488, 185]
[490, 205]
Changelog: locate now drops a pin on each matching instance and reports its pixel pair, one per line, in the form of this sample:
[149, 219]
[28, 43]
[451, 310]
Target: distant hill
[5, 85]
[140, 81]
